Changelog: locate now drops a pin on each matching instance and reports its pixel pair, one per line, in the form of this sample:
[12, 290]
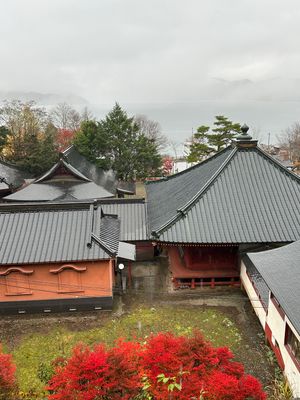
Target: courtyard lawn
[35, 351]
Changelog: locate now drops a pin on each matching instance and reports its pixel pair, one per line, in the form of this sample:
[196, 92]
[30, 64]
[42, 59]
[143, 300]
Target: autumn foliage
[64, 138]
[7, 376]
[164, 367]
[167, 166]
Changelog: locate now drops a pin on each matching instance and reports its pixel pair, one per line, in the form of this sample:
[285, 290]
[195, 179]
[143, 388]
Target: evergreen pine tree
[223, 133]
[205, 143]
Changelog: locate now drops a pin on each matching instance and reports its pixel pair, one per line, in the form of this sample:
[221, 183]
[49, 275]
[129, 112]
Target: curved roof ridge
[182, 210]
[66, 151]
[208, 183]
[70, 167]
[167, 178]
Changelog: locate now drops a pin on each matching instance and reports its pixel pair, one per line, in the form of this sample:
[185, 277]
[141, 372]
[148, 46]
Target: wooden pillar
[129, 275]
[175, 283]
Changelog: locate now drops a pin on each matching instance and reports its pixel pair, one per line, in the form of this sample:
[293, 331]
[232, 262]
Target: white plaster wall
[254, 299]
[277, 326]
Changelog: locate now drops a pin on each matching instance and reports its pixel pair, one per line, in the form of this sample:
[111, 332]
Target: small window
[277, 306]
[292, 344]
[16, 281]
[69, 278]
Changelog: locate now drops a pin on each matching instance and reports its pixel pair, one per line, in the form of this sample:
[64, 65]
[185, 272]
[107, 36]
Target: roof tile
[250, 199]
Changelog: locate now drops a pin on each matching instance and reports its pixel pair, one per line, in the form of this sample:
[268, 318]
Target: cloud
[158, 51]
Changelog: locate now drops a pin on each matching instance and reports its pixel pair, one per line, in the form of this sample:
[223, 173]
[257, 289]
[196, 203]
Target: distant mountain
[45, 99]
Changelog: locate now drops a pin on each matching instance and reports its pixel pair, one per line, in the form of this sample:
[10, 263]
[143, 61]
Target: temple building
[207, 216]
[60, 256]
[272, 281]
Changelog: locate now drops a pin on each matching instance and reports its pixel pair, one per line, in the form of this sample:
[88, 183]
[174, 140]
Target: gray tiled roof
[109, 232]
[167, 195]
[62, 163]
[56, 190]
[86, 182]
[49, 188]
[3, 184]
[106, 179]
[54, 234]
[132, 214]
[12, 174]
[280, 269]
[241, 195]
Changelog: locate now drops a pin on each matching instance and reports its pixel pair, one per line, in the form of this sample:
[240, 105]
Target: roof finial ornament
[244, 140]
[244, 135]
[245, 128]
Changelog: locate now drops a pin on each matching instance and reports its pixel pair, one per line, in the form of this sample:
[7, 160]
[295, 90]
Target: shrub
[164, 367]
[7, 376]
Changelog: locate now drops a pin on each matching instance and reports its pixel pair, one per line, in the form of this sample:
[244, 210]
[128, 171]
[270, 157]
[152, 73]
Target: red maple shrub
[7, 376]
[183, 367]
[167, 166]
[124, 359]
[82, 376]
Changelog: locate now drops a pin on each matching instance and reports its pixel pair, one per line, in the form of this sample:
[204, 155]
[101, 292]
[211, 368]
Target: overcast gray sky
[178, 61]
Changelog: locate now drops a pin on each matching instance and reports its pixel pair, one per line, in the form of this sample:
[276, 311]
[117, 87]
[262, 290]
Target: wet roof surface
[280, 269]
[56, 234]
[241, 195]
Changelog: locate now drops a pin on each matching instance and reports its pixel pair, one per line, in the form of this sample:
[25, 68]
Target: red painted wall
[56, 281]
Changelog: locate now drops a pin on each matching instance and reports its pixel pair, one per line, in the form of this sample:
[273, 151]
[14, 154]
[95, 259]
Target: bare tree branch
[290, 141]
[152, 130]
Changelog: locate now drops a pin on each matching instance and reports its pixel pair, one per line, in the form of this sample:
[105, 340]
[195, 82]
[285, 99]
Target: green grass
[34, 354]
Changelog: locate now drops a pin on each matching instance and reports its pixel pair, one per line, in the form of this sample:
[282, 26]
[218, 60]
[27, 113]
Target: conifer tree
[223, 133]
[117, 143]
[205, 143]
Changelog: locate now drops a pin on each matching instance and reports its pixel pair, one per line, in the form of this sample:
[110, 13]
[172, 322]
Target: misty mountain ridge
[45, 99]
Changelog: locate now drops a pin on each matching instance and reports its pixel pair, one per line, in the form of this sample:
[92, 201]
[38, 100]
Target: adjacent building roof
[57, 233]
[260, 285]
[73, 177]
[106, 179]
[67, 166]
[3, 185]
[280, 269]
[59, 190]
[51, 187]
[13, 175]
[133, 216]
[52, 232]
[240, 195]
